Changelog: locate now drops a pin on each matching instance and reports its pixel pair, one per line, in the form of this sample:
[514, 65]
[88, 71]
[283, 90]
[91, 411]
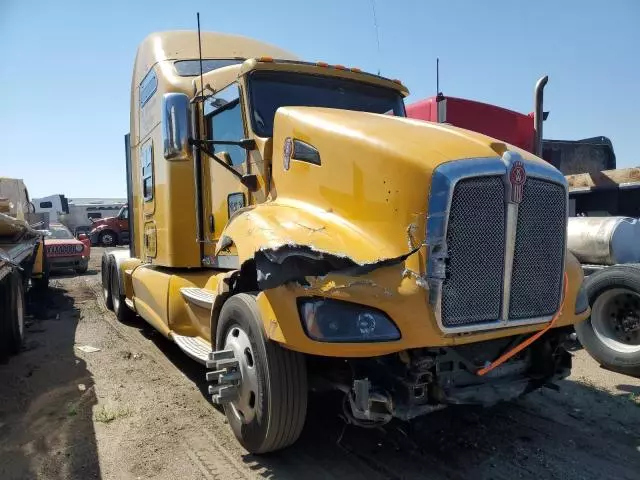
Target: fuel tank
[604, 240]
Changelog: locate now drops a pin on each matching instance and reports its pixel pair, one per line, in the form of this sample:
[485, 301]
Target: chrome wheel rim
[244, 408]
[614, 317]
[107, 239]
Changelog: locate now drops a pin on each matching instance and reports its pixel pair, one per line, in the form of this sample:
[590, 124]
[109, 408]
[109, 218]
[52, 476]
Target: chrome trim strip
[509, 254]
[444, 179]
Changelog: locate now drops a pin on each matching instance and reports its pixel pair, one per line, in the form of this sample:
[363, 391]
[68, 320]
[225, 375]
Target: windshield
[59, 232]
[272, 90]
[191, 68]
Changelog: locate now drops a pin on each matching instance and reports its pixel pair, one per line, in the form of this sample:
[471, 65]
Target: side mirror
[175, 126]
[250, 181]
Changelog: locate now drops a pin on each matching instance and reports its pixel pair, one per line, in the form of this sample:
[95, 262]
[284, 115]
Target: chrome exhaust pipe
[538, 115]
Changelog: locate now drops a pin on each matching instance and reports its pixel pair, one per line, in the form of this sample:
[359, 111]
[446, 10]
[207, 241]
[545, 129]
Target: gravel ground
[138, 409]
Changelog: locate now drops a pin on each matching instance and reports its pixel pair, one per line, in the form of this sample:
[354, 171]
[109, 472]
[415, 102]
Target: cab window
[146, 161]
[223, 115]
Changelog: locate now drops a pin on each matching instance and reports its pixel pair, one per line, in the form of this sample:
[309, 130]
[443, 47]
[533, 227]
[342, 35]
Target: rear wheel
[12, 310]
[612, 333]
[269, 410]
[106, 281]
[123, 312]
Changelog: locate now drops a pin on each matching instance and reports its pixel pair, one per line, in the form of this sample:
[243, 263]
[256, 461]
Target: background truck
[290, 229]
[23, 260]
[606, 242]
[111, 231]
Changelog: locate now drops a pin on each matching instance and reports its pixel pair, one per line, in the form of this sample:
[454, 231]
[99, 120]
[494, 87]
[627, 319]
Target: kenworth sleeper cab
[291, 228]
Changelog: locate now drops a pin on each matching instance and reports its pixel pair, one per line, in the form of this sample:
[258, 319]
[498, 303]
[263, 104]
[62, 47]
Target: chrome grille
[472, 290]
[536, 279]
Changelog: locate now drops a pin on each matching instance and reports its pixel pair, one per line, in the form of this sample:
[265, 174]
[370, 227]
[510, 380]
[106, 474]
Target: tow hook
[369, 406]
[226, 376]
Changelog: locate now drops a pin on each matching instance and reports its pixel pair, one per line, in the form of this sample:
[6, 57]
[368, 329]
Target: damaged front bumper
[421, 381]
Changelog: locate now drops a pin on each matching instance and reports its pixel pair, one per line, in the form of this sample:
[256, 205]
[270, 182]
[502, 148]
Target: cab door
[223, 193]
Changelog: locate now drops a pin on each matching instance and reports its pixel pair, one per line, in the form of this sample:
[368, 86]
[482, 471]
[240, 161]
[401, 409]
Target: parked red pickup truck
[111, 231]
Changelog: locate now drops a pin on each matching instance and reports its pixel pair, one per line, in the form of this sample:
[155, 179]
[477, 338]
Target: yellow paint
[37, 272]
[400, 298]
[368, 202]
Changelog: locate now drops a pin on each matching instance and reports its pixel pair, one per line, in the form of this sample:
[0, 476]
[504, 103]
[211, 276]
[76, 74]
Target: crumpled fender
[290, 240]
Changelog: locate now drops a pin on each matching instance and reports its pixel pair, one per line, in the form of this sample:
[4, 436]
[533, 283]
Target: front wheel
[612, 334]
[108, 239]
[269, 410]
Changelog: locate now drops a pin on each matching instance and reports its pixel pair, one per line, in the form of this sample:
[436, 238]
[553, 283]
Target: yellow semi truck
[292, 230]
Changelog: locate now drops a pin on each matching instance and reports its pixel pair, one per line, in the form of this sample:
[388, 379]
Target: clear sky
[66, 67]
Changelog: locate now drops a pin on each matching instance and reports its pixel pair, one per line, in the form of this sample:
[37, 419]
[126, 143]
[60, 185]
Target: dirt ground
[138, 409]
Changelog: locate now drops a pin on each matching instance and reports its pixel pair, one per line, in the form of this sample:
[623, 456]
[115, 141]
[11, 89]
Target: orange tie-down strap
[518, 348]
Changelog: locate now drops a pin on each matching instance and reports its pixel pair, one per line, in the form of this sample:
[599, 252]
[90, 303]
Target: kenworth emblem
[517, 179]
[288, 150]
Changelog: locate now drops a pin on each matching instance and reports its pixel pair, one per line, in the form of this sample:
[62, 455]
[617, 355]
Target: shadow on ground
[576, 433]
[46, 398]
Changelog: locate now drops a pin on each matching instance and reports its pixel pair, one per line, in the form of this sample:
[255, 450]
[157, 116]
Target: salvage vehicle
[291, 229]
[111, 231]
[64, 251]
[23, 261]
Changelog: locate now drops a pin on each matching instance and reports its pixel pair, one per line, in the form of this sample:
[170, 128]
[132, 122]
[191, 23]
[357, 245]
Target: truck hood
[362, 198]
[102, 221]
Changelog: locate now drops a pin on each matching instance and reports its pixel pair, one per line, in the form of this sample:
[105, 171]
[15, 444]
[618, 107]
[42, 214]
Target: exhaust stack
[538, 115]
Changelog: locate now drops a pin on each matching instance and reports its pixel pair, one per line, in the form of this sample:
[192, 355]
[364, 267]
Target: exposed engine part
[367, 408]
[226, 376]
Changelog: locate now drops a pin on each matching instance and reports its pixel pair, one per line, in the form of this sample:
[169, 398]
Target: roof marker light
[322, 64]
[265, 59]
[340, 67]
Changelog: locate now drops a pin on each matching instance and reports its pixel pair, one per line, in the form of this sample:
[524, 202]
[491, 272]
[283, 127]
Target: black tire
[11, 314]
[82, 269]
[281, 400]
[123, 313]
[608, 286]
[105, 270]
[108, 238]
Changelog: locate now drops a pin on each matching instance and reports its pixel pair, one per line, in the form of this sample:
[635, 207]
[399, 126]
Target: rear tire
[614, 297]
[106, 281]
[12, 314]
[277, 416]
[123, 313]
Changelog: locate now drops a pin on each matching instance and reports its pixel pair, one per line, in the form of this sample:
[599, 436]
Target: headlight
[582, 301]
[79, 248]
[338, 321]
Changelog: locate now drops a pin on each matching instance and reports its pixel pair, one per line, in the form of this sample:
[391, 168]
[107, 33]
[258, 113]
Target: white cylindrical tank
[604, 240]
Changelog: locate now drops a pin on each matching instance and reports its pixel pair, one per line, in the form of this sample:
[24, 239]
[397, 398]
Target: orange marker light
[322, 64]
[340, 67]
[397, 81]
[265, 59]
[356, 69]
